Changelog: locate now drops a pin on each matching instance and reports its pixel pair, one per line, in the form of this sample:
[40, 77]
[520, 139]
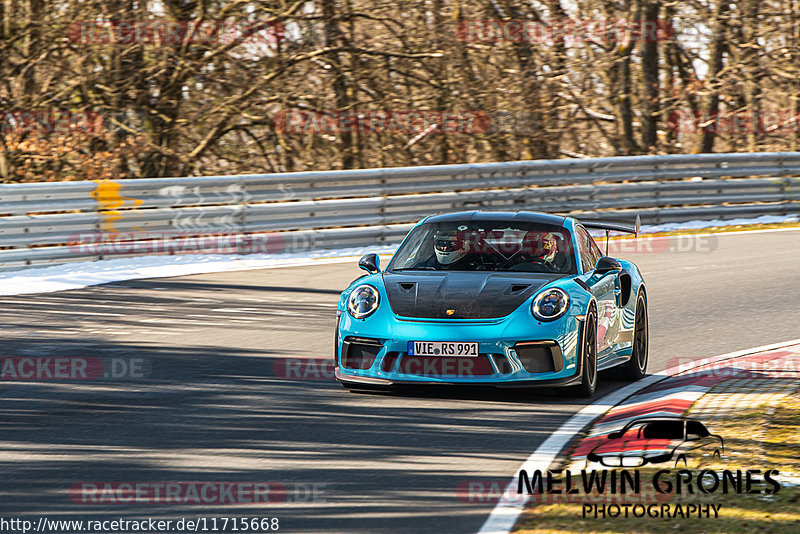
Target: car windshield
[487, 246]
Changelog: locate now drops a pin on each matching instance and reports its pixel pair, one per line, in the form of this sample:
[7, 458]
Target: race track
[212, 409]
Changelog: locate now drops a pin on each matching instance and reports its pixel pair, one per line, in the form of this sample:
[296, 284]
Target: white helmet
[449, 247]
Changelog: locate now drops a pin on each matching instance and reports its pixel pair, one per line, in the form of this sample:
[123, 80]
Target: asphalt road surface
[203, 402]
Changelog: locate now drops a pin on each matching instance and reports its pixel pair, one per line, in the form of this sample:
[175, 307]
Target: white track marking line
[505, 514]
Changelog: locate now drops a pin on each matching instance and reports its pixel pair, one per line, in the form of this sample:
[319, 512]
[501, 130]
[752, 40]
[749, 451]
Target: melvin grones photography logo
[661, 468]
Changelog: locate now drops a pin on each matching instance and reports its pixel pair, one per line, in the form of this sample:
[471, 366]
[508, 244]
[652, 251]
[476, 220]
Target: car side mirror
[370, 263]
[615, 435]
[606, 265]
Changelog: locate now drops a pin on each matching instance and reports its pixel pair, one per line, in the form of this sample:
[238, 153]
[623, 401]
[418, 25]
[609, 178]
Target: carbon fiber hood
[470, 294]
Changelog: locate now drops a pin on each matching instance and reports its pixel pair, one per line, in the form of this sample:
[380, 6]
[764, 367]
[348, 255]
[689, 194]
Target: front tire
[636, 367]
[588, 354]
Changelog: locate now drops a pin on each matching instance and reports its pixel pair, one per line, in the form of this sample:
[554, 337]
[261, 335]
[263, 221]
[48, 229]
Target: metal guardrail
[58, 222]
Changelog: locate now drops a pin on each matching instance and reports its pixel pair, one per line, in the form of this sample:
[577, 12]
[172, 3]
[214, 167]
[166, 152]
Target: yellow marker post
[109, 201]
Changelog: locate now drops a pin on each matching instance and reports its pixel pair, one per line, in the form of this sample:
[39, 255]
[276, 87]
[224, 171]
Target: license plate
[442, 348]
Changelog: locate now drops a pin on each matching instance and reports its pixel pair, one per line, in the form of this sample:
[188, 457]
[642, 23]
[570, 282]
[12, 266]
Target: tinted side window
[594, 250]
[588, 259]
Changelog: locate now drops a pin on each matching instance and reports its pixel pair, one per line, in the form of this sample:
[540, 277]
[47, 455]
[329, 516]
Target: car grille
[444, 366]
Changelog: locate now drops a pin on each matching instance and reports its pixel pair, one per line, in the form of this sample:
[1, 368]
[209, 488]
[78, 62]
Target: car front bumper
[514, 351]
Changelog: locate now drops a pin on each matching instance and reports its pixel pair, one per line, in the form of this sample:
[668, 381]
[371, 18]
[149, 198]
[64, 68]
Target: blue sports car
[507, 299]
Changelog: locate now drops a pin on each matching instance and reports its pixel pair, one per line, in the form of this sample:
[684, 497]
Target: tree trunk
[622, 90]
[752, 75]
[650, 63]
[715, 64]
[333, 37]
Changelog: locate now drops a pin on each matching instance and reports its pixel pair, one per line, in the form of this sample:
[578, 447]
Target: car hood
[469, 294]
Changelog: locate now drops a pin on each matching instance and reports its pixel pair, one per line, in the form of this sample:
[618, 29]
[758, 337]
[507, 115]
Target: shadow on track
[219, 414]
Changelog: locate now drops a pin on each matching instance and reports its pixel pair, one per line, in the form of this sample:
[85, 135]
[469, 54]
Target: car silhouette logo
[658, 440]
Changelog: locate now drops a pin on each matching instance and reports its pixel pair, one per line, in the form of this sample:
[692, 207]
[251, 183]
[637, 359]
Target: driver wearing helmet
[450, 249]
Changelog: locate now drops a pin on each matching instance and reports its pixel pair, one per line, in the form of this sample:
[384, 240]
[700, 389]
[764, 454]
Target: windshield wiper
[425, 268]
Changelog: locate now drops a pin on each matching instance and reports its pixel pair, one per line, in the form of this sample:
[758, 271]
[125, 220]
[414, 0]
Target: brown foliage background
[207, 106]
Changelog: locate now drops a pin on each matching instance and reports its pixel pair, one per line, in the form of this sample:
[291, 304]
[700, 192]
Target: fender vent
[625, 288]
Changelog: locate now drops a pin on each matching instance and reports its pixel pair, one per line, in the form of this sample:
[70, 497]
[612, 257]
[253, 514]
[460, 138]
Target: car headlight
[551, 304]
[363, 301]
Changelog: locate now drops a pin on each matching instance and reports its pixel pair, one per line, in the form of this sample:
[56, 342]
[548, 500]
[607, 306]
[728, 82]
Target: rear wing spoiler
[615, 227]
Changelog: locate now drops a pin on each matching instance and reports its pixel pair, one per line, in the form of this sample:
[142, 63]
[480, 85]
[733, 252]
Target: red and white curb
[674, 395]
[671, 391]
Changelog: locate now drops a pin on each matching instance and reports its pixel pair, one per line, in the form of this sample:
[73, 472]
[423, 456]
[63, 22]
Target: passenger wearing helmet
[548, 248]
[542, 248]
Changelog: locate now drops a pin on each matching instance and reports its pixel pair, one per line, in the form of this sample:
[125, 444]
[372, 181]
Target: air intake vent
[359, 353]
[539, 357]
[516, 288]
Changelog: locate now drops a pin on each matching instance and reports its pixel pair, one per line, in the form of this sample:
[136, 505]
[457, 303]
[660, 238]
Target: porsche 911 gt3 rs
[507, 299]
